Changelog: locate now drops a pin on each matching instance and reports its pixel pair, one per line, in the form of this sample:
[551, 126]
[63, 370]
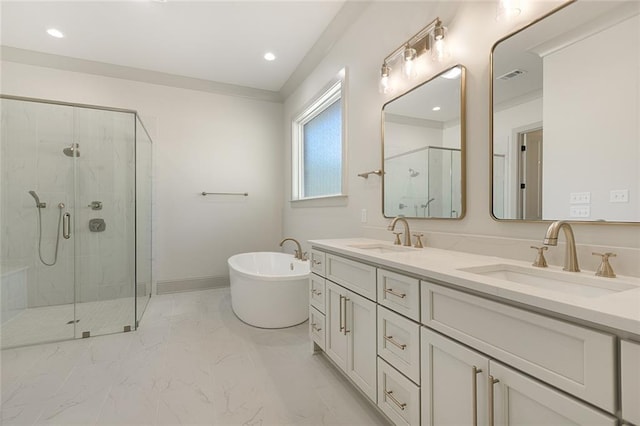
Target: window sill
[329, 201]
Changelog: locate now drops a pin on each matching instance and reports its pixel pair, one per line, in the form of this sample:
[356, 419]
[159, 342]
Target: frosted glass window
[318, 147]
[322, 153]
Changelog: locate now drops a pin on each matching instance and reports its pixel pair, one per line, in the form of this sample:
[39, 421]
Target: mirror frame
[463, 143]
[491, 135]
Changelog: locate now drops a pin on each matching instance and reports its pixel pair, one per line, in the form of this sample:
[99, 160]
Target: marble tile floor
[53, 323]
[190, 362]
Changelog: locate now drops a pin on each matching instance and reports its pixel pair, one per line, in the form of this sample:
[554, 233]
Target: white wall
[611, 133]
[472, 31]
[507, 123]
[201, 142]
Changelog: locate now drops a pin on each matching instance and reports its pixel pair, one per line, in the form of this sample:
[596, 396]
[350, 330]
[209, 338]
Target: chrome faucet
[298, 254]
[407, 234]
[551, 239]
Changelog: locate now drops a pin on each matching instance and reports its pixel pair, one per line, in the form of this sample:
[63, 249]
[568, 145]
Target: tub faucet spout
[298, 254]
[551, 239]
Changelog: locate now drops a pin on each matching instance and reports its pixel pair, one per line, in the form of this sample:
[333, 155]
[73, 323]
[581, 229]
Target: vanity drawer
[317, 292]
[573, 358]
[316, 261]
[316, 326]
[355, 276]
[399, 293]
[399, 343]
[398, 397]
[630, 373]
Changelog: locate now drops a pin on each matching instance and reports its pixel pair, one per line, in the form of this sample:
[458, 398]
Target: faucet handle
[397, 242]
[418, 236]
[605, 269]
[305, 256]
[540, 261]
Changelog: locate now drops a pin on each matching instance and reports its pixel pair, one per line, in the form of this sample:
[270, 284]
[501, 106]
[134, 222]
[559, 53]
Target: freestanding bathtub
[268, 289]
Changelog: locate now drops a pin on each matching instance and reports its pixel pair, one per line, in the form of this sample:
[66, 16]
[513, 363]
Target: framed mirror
[565, 108]
[423, 149]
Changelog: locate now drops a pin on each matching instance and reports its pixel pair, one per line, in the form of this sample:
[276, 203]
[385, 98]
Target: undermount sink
[573, 283]
[380, 248]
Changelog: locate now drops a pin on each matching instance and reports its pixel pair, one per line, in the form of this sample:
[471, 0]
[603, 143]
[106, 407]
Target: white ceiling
[210, 40]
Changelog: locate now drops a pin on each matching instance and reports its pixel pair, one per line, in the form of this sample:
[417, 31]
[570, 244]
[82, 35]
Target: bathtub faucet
[298, 254]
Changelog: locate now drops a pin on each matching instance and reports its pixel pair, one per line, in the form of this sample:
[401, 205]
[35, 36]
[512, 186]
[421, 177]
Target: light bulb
[408, 65]
[508, 9]
[385, 84]
[439, 51]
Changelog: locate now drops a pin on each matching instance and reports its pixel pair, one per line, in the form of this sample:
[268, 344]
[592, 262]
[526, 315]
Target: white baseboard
[191, 284]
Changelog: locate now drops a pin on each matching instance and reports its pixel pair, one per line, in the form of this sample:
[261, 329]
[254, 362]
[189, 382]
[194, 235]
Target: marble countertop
[618, 310]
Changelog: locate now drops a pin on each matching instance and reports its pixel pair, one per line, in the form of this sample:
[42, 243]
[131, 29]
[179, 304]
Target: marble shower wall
[33, 138]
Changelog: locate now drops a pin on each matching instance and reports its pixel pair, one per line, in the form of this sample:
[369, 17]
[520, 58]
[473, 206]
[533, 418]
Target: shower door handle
[66, 226]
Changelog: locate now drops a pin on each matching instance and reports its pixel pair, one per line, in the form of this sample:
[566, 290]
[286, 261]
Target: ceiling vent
[511, 74]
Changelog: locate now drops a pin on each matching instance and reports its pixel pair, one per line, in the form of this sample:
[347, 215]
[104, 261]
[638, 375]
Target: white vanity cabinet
[630, 374]
[463, 387]
[454, 382]
[437, 355]
[351, 336]
[516, 399]
[576, 359]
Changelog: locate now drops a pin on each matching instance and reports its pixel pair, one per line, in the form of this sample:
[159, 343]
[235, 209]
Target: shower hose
[55, 256]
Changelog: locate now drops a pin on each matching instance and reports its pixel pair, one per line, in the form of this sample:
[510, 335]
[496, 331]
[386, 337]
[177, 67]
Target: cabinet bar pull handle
[400, 405]
[393, 342]
[492, 381]
[346, 299]
[316, 292]
[313, 326]
[66, 226]
[390, 291]
[341, 326]
[474, 382]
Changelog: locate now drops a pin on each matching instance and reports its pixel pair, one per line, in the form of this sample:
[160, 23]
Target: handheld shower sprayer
[38, 203]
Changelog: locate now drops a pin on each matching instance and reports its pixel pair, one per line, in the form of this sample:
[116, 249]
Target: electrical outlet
[619, 196]
[363, 216]
[580, 198]
[579, 211]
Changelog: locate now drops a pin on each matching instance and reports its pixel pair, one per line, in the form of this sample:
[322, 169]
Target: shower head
[35, 197]
[72, 151]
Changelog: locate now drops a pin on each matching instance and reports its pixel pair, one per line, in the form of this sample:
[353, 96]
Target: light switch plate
[580, 211]
[619, 196]
[580, 198]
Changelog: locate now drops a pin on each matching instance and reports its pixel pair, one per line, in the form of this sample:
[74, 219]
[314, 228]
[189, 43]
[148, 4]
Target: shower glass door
[37, 262]
[104, 222]
[67, 221]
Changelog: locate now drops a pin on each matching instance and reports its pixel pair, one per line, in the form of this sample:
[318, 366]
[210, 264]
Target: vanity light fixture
[269, 56]
[385, 85]
[508, 9]
[436, 108]
[54, 32]
[430, 38]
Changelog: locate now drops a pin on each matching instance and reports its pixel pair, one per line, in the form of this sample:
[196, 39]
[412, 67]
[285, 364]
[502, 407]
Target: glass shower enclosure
[75, 221]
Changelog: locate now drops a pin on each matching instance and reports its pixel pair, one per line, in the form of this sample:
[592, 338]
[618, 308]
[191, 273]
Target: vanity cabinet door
[454, 390]
[630, 368]
[361, 343]
[516, 399]
[335, 338]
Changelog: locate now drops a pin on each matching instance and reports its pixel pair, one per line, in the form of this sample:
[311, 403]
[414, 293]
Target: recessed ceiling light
[54, 32]
[453, 73]
[435, 109]
[269, 56]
